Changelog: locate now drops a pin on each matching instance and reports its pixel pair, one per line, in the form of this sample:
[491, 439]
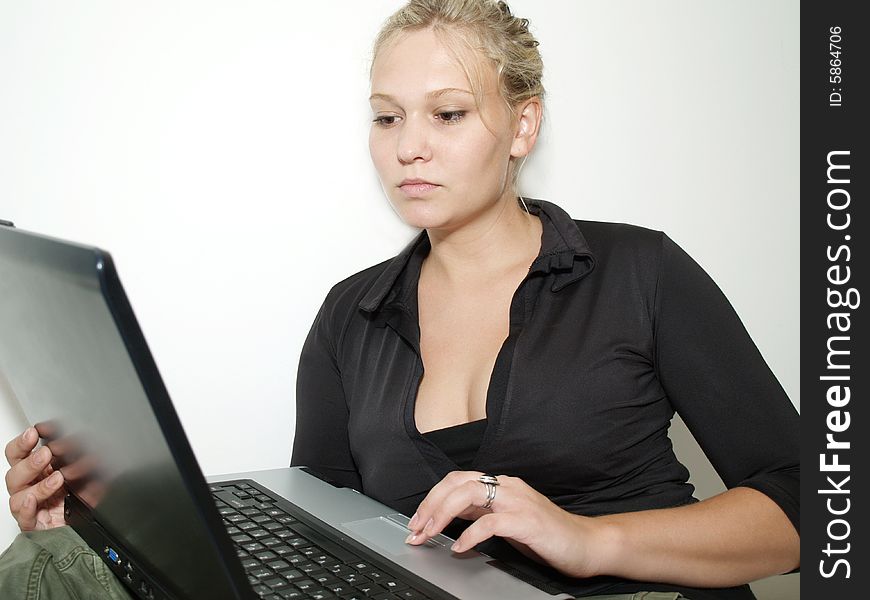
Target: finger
[18, 448]
[41, 492]
[464, 500]
[82, 468]
[25, 471]
[436, 496]
[26, 514]
[506, 525]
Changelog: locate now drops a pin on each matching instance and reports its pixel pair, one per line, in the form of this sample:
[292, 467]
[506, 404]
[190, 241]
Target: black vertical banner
[835, 370]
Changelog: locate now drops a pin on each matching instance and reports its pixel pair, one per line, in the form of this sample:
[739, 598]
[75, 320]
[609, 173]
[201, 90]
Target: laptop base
[120, 561]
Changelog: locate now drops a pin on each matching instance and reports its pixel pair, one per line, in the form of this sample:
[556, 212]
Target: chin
[419, 213]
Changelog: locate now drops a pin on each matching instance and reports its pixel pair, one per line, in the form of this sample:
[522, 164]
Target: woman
[575, 341]
[576, 361]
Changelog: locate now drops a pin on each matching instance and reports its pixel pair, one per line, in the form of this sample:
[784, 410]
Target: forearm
[730, 539]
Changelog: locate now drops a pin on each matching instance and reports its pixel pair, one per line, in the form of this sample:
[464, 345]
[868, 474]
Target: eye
[451, 116]
[385, 120]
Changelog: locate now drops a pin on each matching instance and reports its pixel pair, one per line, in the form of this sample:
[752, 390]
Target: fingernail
[455, 547]
[410, 538]
[55, 479]
[40, 456]
[413, 522]
[26, 434]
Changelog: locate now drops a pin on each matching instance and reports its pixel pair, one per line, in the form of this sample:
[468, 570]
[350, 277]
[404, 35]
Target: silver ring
[490, 482]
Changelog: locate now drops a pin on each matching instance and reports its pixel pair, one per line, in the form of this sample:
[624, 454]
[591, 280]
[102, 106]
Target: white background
[219, 151]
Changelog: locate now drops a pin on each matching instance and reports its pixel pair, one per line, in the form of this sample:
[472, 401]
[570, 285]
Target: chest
[571, 388]
[461, 333]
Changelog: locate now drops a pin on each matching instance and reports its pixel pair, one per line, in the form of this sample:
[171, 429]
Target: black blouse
[613, 329]
[459, 443]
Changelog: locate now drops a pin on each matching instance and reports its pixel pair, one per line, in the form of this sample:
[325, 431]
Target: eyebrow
[430, 96]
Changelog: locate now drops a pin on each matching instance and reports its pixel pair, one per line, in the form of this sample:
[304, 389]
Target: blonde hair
[487, 27]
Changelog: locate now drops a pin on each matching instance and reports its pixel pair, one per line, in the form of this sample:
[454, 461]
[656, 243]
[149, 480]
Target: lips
[417, 187]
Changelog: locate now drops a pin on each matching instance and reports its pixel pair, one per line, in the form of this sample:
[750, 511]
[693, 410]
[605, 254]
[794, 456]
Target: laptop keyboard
[284, 558]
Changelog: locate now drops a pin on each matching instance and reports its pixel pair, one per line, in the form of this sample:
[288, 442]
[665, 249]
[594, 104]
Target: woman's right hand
[36, 490]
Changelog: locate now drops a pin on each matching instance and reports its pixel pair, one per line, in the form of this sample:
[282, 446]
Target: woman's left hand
[527, 519]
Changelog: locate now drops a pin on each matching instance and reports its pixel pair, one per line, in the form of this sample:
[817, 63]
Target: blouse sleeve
[321, 441]
[719, 383]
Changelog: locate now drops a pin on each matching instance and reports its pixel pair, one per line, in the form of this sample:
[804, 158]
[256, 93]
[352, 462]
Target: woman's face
[438, 163]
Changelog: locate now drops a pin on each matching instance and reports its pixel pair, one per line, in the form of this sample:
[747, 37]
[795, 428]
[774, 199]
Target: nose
[413, 141]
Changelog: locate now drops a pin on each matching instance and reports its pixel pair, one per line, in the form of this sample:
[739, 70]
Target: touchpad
[387, 535]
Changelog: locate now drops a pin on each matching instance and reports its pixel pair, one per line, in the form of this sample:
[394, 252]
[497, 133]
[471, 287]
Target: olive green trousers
[57, 565]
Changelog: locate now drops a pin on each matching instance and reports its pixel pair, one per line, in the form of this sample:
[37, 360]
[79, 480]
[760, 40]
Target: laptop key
[326, 579]
[291, 594]
[276, 583]
[369, 589]
[310, 568]
[291, 575]
[265, 555]
[393, 585]
[355, 578]
[339, 588]
[411, 594]
[260, 572]
[238, 503]
[253, 546]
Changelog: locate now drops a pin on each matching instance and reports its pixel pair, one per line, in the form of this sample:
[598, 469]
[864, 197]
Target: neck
[501, 239]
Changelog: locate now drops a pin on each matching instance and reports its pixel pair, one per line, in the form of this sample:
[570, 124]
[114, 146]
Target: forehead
[418, 62]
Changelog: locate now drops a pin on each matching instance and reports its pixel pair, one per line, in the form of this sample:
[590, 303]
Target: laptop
[73, 356]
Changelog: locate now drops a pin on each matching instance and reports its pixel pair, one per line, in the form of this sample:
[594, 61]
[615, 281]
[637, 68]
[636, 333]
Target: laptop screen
[67, 336]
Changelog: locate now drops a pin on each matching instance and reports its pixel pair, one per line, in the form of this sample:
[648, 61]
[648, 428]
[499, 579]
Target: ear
[528, 114]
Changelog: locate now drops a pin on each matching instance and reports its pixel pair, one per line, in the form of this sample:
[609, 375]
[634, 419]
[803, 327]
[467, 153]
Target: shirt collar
[564, 252]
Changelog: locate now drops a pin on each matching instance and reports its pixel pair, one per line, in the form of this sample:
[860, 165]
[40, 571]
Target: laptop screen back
[67, 336]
